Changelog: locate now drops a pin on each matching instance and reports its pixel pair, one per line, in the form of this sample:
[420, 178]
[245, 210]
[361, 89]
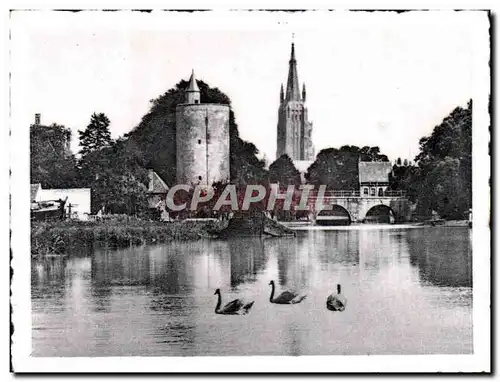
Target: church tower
[294, 128]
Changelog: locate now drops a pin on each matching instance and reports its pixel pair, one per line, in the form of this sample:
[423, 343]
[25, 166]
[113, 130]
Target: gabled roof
[34, 190]
[374, 172]
[156, 184]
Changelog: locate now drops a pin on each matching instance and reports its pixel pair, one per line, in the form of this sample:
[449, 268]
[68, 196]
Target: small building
[77, 200]
[373, 178]
[157, 195]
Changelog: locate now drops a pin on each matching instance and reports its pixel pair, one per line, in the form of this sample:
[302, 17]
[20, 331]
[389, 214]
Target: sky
[373, 78]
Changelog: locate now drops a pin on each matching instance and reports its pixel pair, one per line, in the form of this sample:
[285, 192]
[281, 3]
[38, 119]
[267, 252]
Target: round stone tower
[202, 131]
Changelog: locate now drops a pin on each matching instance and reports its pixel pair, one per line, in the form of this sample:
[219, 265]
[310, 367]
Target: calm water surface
[409, 291]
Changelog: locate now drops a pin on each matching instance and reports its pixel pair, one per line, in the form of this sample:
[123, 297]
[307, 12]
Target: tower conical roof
[193, 86]
[292, 85]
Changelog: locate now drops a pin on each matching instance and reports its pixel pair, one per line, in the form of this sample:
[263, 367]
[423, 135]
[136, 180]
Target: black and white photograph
[250, 191]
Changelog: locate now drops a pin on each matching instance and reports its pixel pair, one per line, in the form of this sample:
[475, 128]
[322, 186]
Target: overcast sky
[378, 78]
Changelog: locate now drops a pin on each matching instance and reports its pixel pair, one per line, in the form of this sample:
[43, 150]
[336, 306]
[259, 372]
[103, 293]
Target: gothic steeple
[192, 91]
[294, 133]
[292, 85]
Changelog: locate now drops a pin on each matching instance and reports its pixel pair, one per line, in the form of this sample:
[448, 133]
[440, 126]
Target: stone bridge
[357, 207]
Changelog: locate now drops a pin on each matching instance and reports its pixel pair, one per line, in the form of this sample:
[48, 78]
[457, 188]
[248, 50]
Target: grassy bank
[67, 237]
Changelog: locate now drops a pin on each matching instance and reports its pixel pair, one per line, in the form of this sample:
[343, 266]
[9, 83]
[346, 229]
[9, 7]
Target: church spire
[292, 85]
[192, 91]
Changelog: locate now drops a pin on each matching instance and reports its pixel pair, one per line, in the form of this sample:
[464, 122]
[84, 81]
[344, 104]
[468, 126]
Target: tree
[96, 136]
[441, 194]
[367, 154]
[338, 168]
[118, 179]
[441, 178]
[119, 194]
[405, 178]
[283, 171]
[51, 162]
[445, 162]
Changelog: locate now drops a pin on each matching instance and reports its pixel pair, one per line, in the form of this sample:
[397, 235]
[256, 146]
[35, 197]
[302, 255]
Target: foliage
[445, 160]
[338, 168]
[69, 237]
[442, 179]
[407, 178]
[96, 136]
[114, 172]
[283, 171]
[117, 179]
[366, 153]
[52, 163]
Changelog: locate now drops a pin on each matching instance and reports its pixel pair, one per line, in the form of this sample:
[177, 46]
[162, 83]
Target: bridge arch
[337, 215]
[380, 213]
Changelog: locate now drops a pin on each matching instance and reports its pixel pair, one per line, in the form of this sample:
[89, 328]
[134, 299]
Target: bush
[68, 237]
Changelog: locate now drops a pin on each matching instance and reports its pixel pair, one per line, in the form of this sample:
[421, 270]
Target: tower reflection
[248, 258]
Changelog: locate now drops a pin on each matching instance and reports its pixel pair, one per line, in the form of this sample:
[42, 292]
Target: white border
[479, 361]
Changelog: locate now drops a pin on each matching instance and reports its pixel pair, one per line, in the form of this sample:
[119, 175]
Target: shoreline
[74, 237]
[308, 226]
[68, 237]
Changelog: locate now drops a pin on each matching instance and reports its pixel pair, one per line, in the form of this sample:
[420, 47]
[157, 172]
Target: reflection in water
[248, 257]
[120, 267]
[48, 278]
[158, 300]
[443, 257]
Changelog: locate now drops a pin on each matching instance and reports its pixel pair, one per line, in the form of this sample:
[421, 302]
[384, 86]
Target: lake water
[408, 290]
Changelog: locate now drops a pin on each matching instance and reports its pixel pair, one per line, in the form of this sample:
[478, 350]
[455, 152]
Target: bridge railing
[357, 194]
[395, 193]
[342, 194]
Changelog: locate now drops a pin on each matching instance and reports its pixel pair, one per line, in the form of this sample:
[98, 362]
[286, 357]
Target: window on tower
[199, 141]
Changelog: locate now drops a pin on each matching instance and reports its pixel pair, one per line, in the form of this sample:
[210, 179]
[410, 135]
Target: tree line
[439, 180]
[116, 170]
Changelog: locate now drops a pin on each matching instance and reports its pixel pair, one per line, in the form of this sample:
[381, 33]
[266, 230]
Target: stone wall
[202, 132]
